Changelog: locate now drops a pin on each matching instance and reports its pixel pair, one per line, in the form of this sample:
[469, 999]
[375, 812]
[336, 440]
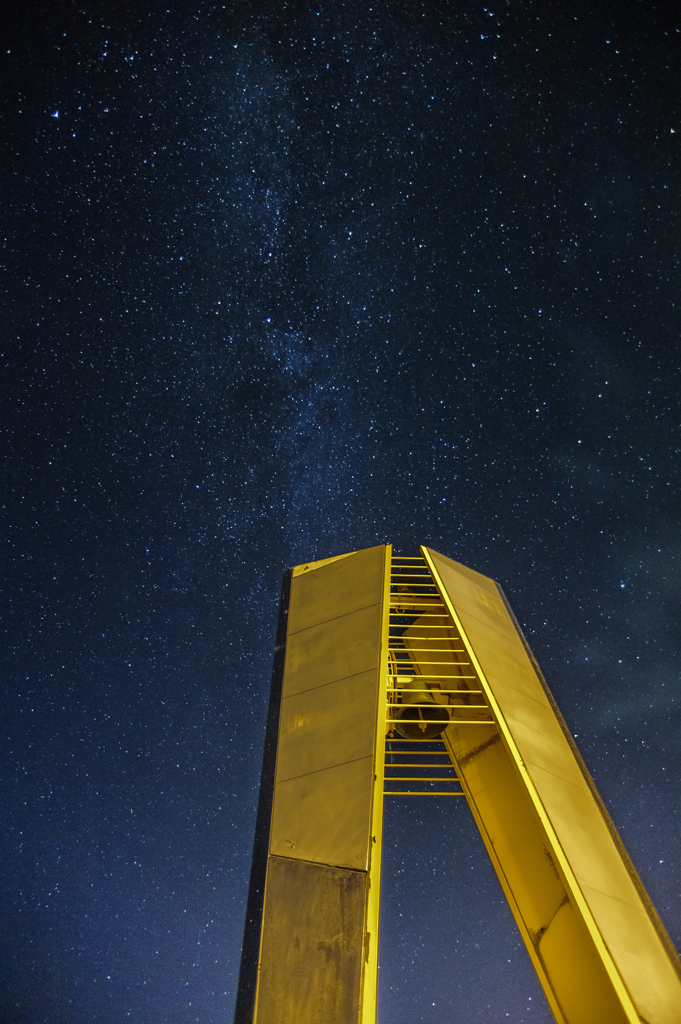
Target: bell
[415, 721]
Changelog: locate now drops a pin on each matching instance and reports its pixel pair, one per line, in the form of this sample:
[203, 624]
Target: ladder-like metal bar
[418, 697]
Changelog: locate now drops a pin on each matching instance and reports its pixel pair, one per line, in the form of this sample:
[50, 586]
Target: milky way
[282, 281]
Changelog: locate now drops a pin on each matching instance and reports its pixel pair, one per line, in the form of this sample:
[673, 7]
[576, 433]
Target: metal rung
[436, 721]
[402, 609]
[406, 689]
[411, 654]
[416, 676]
[401, 656]
[425, 675]
[460, 707]
[414, 576]
[403, 663]
[416, 792]
[417, 778]
[402, 739]
[396, 614]
[429, 675]
[418, 661]
[434, 650]
[425, 689]
[396, 605]
[420, 753]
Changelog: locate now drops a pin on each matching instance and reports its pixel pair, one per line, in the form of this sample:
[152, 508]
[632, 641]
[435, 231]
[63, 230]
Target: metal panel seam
[334, 618]
[328, 767]
[318, 863]
[339, 679]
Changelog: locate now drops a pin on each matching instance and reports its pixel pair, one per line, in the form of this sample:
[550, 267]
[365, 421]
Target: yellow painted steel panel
[613, 899]
[335, 649]
[534, 725]
[585, 839]
[585, 834]
[504, 657]
[511, 825]
[652, 974]
[535, 887]
[311, 954]
[338, 587]
[607, 927]
[324, 788]
[578, 976]
[300, 570]
[326, 726]
[318, 950]
[476, 594]
[325, 816]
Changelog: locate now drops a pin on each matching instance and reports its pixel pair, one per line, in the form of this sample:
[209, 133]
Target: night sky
[284, 280]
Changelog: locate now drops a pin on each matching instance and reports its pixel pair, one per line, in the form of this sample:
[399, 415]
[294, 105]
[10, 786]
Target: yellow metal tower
[410, 676]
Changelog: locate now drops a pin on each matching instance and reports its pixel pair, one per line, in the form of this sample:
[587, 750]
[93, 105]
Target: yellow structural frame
[366, 660]
[369, 996]
[318, 943]
[626, 970]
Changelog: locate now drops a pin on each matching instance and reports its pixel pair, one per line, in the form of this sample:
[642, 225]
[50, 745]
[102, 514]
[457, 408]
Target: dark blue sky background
[282, 280]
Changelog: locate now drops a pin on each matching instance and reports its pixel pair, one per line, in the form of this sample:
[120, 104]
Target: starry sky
[279, 281]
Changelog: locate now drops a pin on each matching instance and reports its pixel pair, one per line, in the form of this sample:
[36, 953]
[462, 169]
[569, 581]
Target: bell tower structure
[410, 677]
